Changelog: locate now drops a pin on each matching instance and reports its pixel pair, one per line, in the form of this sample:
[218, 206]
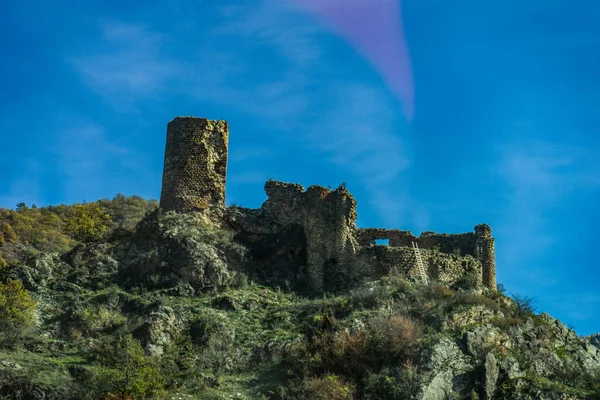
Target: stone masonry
[195, 166]
[327, 218]
[194, 181]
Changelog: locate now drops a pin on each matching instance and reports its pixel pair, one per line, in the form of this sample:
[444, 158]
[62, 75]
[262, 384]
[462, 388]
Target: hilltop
[190, 299]
[165, 310]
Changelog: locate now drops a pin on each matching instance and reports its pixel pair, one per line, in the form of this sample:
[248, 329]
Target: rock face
[179, 250]
[160, 328]
[446, 371]
[195, 166]
[595, 339]
[509, 364]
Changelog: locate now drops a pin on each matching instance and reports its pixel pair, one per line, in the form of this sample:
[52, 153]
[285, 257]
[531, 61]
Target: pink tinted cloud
[375, 28]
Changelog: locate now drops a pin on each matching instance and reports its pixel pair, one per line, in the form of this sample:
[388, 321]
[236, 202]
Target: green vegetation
[59, 228]
[86, 222]
[125, 372]
[159, 310]
[16, 311]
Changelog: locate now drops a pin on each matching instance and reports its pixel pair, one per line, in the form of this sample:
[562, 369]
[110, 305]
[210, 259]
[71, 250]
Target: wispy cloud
[85, 157]
[357, 131]
[539, 176]
[128, 62]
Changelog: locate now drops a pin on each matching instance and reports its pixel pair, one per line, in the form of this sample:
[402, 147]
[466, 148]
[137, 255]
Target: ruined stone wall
[328, 218]
[478, 244]
[194, 180]
[380, 260]
[446, 243]
[397, 238]
[195, 166]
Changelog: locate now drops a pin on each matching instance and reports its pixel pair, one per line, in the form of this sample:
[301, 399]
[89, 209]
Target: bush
[505, 322]
[396, 384]
[523, 306]
[87, 222]
[7, 233]
[16, 311]
[387, 340]
[440, 292]
[467, 281]
[477, 299]
[394, 337]
[94, 319]
[124, 372]
[328, 387]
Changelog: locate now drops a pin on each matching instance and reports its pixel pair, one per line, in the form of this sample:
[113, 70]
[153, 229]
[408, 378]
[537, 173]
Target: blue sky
[505, 127]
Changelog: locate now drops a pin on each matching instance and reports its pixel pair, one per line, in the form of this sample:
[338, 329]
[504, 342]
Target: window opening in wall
[383, 242]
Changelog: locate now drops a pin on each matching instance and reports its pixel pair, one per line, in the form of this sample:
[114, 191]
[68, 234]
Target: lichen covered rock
[170, 250]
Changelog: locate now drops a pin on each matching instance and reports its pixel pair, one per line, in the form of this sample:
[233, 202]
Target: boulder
[159, 330]
[446, 371]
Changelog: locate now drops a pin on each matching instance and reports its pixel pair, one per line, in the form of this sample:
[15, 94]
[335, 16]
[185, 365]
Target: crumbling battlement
[380, 260]
[330, 246]
[478, 244]
[328, 218]
[195, 166]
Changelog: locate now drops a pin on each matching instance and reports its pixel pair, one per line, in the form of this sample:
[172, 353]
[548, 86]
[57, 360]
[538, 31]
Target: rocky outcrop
[446, 371]
[160, 328]
[171, 250]
[595, 339]
[518, 363]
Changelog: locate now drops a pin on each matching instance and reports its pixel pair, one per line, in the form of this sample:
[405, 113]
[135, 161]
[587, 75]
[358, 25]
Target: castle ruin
[320, 222]
[195, 166]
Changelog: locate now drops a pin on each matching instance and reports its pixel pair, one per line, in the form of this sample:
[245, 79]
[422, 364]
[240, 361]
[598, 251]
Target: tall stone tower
[484, 249]
[195, 166]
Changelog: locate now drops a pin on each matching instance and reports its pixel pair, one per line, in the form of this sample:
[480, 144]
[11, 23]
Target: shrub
[349, 352]
[394, 337]
[397, 383]
[16, 311]
[95, 319]
[87, 222]
[523, 306]
[124, 372]
[386, 340]
[467, 281]
[328, 387]
[505, 322]
[477, 299]
[7, 233]
[440, 292]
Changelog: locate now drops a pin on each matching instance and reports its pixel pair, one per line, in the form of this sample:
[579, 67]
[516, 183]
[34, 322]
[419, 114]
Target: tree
[87, 222]
[16, 310]
[126, 373]
[7, 232]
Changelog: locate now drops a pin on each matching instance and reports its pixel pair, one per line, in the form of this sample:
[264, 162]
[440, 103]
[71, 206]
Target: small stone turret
[195, 166]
